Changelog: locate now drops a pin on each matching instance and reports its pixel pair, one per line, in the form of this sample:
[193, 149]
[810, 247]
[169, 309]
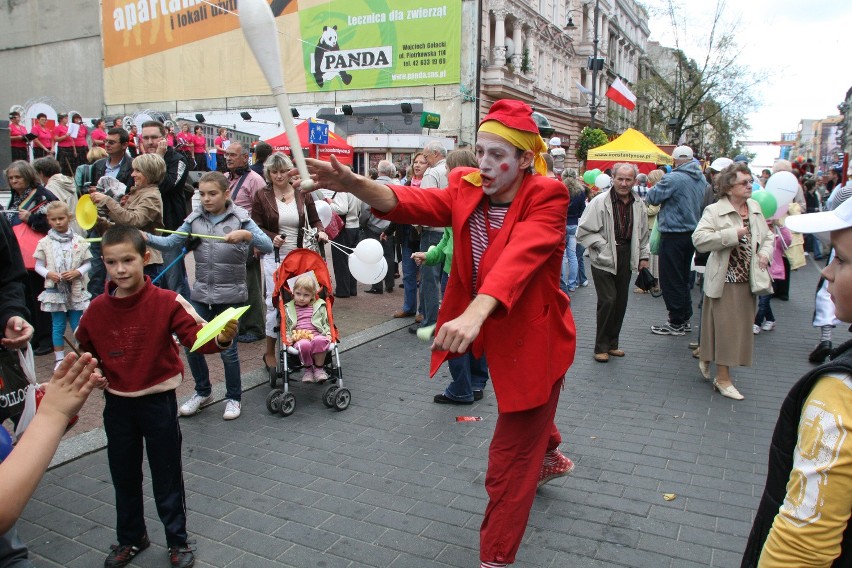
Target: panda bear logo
[327, 43]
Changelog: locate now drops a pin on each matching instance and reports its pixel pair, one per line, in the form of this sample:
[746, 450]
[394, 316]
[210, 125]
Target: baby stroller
[281, 400]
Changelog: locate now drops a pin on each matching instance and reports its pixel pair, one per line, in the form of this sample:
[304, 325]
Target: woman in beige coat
[740, 243]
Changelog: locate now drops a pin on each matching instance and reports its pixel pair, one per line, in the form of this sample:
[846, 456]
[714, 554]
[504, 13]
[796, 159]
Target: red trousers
[515, 459]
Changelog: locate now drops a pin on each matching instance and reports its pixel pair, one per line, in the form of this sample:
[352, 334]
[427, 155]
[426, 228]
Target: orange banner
[134, 29]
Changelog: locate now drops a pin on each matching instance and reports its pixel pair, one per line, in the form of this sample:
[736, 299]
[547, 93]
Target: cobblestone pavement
[395, 481]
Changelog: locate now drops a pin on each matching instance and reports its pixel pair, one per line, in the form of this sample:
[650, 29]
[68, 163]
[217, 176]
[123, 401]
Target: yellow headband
[519, 139]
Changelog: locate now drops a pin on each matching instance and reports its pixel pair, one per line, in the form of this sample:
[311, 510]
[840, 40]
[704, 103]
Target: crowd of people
[457, 228]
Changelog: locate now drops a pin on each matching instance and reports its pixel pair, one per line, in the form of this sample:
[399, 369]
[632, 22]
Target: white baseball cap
[682, 153]
[834, 220]
[555, 141]
[720, 164]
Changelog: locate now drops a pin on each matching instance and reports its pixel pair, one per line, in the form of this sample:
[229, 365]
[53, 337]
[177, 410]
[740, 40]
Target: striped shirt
[480, 238]
[622, 216]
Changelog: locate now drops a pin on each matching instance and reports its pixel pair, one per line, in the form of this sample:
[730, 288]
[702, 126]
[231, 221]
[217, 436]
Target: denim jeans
[409, 272]
[230, 360]
[175, 277]
[469, 374]
[581, 266]
[430, 280]
[60, 320]
[764, 310]
[568, 278]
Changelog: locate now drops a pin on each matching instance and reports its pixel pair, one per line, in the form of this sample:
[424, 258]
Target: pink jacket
[776, 267]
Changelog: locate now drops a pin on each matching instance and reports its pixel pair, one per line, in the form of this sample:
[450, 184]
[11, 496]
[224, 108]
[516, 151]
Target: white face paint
[499, 165]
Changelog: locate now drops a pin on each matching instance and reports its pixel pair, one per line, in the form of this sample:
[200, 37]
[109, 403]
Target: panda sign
[330, 62]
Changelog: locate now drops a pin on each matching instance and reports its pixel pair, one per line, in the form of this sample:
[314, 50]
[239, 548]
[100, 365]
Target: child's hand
[418, 257]
[54, 276]
[228, 334]
[71, 385]
[238, 236]
[70, 275]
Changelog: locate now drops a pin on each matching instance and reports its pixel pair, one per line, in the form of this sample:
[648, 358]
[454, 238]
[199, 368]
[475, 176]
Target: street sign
[317, 133]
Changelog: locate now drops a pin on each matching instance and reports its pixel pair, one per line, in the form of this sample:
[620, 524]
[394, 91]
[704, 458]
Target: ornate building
[530, 50]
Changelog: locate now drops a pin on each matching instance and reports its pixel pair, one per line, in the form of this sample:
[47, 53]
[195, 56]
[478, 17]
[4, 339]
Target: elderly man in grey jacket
[614, 228]
[680, 195]
[374, 228]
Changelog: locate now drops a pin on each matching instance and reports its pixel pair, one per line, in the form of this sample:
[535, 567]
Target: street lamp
[595, 66]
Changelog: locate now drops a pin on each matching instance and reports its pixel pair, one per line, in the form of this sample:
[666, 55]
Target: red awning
[336, 145]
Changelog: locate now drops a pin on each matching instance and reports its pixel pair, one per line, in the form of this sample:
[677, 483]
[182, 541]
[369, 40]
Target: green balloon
[597, 172]
[768, 203]
[589, 177]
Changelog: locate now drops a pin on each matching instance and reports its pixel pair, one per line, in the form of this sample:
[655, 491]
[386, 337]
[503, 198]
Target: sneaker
[668, 328]
[687, 327]
[768, 325]
[585, 283]
[308, 375]
[755, 329]
[181, 556]
[320, 376]
[232, 411]
[556, 464]
[122, 554]
[193, 405]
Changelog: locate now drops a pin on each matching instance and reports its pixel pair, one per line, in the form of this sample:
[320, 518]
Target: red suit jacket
[529, 340]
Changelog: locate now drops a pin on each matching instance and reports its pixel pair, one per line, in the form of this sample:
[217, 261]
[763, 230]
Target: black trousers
[388, 253]
[676, 250]
[152, 419]
[613, 291]
[346, 285]
[42, 321]
[20, 154]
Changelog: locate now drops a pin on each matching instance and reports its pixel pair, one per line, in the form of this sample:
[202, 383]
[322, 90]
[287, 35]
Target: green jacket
[442, 252]
[319, 317]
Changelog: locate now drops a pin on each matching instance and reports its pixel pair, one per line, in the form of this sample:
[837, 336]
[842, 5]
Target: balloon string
[341, 248]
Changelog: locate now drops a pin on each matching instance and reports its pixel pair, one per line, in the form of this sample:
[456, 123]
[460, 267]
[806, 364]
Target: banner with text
[166, 50]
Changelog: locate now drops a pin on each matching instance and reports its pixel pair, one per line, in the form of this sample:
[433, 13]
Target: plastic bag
[655, 239]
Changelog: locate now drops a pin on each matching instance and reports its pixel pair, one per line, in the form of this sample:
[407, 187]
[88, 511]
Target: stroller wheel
[328, 397]
[273, 400]
[342, 398]
[288, 405]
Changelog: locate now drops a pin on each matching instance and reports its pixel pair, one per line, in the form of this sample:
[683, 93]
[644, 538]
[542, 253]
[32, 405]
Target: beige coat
[596, 232]
[143, 210]
[717, 233]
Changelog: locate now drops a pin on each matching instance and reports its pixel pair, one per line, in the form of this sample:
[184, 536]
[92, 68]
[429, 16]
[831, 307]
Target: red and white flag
[619, 93]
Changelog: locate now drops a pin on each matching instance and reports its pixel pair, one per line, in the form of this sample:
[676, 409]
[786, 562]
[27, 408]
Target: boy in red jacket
[130, 328]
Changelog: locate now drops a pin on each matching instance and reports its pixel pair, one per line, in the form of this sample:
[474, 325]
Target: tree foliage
[589, 138]
[702, 102]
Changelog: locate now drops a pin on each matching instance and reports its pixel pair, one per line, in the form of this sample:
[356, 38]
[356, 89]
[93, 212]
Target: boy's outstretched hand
[227, 335]
[238, 236]
[71, 385]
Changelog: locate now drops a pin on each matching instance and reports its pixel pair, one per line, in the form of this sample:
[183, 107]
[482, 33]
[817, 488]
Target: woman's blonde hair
[95, 154]
[152, 166]
[275, 163]
[306, 282]
[654, 176]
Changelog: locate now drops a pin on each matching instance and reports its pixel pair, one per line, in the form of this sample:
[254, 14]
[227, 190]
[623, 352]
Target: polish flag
[619, 93]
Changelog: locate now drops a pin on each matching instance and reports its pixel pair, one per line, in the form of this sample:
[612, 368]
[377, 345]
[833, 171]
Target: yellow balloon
[86, 212]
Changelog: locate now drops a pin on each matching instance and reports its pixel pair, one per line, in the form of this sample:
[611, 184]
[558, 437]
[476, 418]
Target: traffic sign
[317, 133]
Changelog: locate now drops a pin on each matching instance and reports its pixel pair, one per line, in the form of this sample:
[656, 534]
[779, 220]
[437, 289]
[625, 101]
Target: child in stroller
[307, 327]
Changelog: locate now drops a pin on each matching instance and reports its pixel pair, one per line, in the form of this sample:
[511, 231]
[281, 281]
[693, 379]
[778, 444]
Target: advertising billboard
[165, 50]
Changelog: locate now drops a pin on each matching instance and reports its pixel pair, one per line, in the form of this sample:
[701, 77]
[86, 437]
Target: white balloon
[367, 273]
[783, 186]
[603, 181]
[324, 212]
[369, 251]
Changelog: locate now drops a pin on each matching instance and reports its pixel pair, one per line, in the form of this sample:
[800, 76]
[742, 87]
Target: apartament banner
[167, 50]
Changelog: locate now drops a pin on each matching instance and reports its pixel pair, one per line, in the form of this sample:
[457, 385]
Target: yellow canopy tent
[633, 147]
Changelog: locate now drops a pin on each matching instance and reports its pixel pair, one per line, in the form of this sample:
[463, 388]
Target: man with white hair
[374, 228]
[679, 195]
[435, 177]
[614, 227]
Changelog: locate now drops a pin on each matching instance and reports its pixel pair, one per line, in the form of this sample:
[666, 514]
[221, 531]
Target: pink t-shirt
[59, 131]
[303, 318]
[186, 141]
[200, 142]
[80, 141]
[17, 130]
[218, 143]
[45, 135]
[98, 137]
